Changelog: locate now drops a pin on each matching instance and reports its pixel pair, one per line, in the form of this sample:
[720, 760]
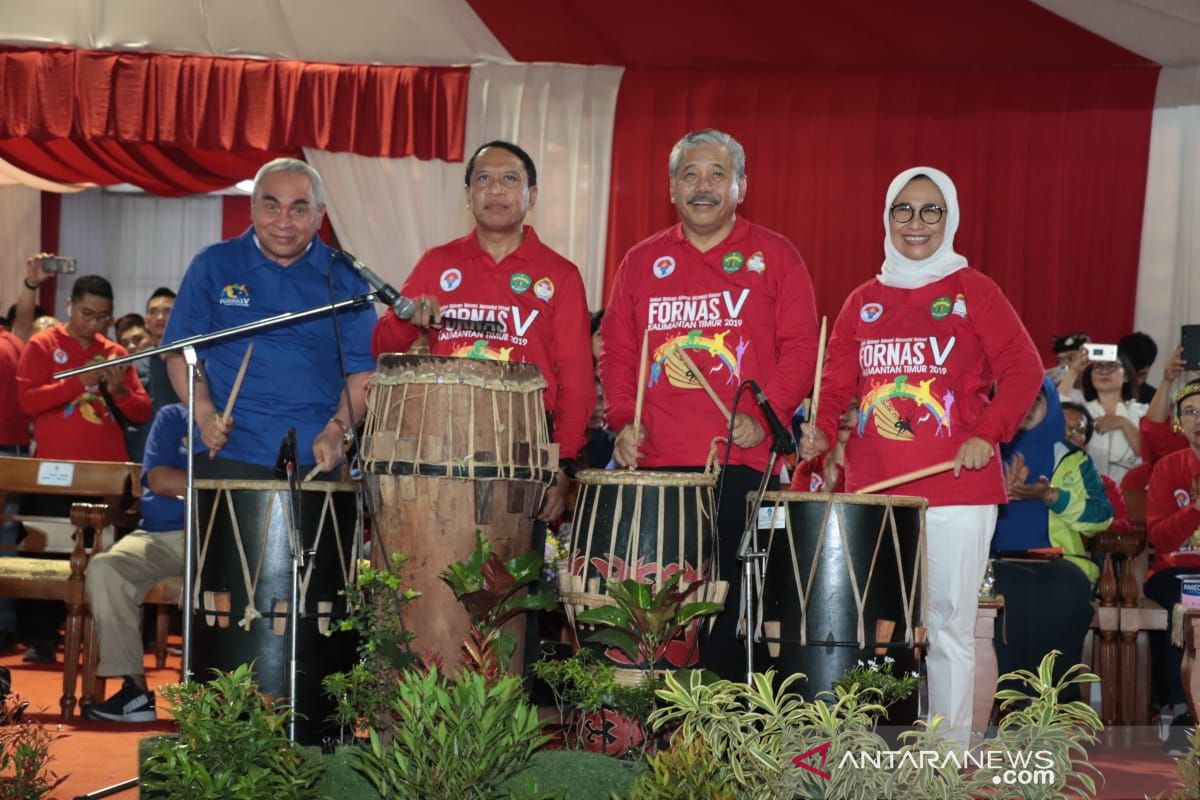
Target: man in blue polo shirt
[295, 376]
[118, 579]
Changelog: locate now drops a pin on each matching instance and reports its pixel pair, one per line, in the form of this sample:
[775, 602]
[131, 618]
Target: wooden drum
[648, 526]
[454, 445]
[844, 582]
[244, 583]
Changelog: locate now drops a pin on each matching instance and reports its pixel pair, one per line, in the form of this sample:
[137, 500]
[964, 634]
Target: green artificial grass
[576, 774]
[580, 775]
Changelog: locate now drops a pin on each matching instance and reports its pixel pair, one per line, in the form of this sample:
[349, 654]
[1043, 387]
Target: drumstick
[642, 378]
[237, 387]
[817, 378]
[916, 474]
[312, 473]
[699, 376]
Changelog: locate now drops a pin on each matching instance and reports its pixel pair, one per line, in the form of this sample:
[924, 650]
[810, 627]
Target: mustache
[703, 197]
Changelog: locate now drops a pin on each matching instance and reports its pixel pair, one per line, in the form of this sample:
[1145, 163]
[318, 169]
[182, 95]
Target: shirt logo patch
[960, 305]
[451, 279]
[757, 263]
[870, 312]
[544, 289]
[1182, 498]
[520, 282]
[59, 355]
[664, 267]
[235, 294]
[940, 308]
[732, 262]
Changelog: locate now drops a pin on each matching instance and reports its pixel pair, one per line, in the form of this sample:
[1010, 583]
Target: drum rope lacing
[804, 590]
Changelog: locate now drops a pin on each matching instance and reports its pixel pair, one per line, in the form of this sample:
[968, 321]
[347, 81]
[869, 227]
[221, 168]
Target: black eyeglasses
[903, 212]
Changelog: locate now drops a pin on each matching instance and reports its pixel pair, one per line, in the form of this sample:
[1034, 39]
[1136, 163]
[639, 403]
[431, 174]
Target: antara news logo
[1019, 768]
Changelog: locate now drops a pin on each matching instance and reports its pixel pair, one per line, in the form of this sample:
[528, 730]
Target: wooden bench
[64, 579]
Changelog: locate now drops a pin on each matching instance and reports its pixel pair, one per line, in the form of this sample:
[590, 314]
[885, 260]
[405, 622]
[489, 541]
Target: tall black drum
[243, 588]
[844, 582]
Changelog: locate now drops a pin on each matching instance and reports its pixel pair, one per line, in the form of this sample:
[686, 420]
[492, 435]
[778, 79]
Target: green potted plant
[642, 623]
[495, 591]
[25, 754]
[232, 745]
[595, 711]
[896, 693]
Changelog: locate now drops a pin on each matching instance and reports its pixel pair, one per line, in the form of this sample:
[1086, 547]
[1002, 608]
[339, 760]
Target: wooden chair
[1123, 620]
[63, 579]
[987, 671]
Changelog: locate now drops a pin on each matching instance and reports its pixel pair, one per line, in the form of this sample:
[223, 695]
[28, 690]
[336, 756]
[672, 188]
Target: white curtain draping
[1168, 292]
[389, 211]
[138, 241]
[421, 32]
[14, 176]
[21, 232]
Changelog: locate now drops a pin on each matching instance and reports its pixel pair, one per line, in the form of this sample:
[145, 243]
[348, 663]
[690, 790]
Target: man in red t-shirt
[78, 418]
[502, 272]
[737, 300]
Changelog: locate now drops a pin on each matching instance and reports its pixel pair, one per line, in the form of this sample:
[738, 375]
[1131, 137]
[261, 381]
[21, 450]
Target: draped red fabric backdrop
[1050, 167]
[177, 124]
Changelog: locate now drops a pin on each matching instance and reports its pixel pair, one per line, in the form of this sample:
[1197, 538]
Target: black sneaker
[1178, 740]
[130, 704]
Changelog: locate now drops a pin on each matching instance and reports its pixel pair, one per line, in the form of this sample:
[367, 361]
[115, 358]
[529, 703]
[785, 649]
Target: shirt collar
[526, 250]
[264, 260]
[739, 231]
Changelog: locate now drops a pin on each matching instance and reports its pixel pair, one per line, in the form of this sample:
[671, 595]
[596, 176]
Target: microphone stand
[753, 559]
[187, 346]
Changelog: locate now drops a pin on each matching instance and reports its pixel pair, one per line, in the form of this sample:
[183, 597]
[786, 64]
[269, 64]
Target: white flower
[889, 660]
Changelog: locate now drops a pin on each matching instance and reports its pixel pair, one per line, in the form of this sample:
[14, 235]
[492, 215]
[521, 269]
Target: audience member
[1108, 395]
[158, 312]
[1047, 603]
[1173, 529]
[1067, 349]
[81, 417]
[118, 579]
[1141, 351]
[1080, 427]
[1158, 435]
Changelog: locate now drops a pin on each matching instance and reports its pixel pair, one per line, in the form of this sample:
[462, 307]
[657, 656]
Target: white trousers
[957, 540]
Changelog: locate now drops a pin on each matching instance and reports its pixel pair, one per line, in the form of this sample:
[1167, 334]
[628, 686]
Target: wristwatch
[567, 465]
[347, 431]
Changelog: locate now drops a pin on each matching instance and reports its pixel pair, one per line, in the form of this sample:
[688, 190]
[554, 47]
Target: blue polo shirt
[294, 378]
[166, 446]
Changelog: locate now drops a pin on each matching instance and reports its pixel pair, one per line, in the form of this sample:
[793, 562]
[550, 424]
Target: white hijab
[904, 273]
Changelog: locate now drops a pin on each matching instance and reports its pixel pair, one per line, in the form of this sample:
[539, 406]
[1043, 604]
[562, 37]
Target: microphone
[384, 291]
[404, 307]
[783, 442]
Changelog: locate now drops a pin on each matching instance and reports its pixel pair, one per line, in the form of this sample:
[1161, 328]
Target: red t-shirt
[742, 310]
[70, 418]
[14, 424]
[922, 363]
[537, 297]
[1171, 515]
[1158, 439]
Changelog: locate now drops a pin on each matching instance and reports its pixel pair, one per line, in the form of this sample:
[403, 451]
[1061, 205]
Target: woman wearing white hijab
[922, 345]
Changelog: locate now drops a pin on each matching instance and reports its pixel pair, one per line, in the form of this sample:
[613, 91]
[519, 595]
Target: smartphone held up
[59, 265]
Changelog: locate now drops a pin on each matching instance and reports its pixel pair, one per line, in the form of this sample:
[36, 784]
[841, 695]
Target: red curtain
[1050, 167]
[230, 104]
[161, 170]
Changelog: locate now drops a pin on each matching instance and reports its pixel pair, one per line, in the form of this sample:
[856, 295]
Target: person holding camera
[1108, 394]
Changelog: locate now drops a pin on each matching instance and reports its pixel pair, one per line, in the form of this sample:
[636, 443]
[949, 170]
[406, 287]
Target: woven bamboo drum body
[452, 446]
[648, 526]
